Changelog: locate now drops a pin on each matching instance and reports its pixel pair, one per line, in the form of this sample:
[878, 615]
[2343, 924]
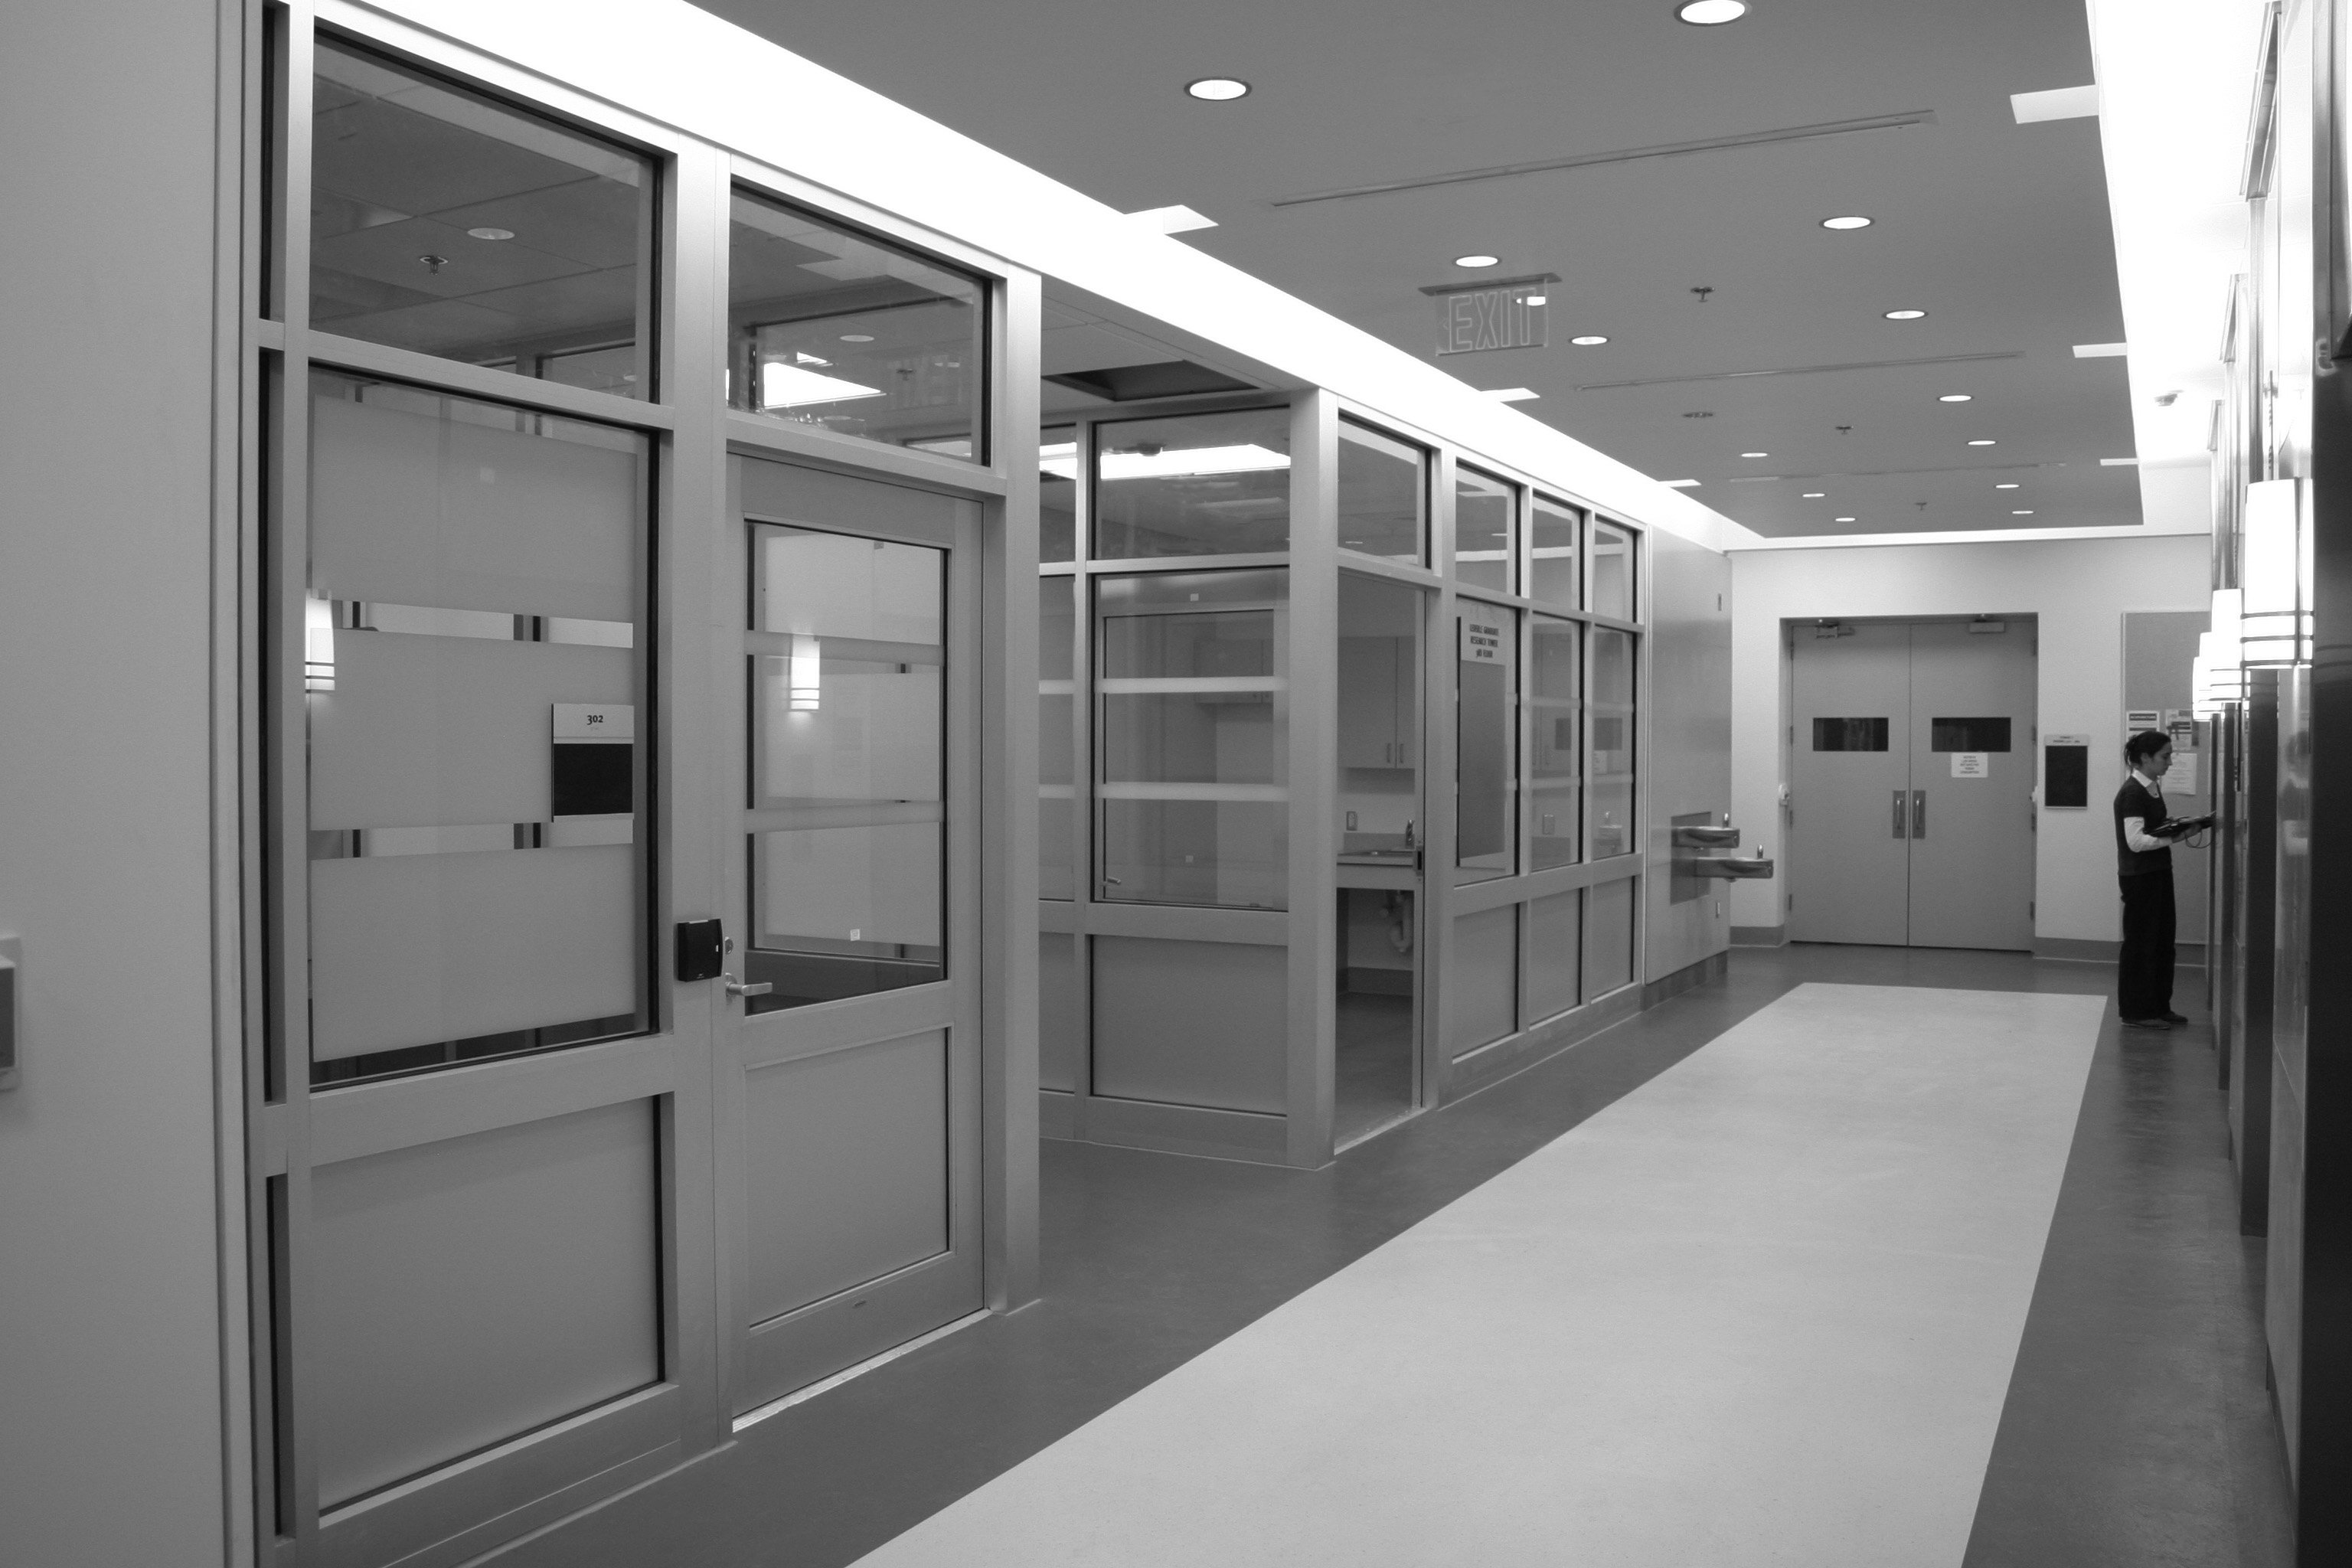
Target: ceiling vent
[1134, 383]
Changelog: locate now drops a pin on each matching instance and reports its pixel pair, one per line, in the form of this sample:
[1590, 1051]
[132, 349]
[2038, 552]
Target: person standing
[2144, 870]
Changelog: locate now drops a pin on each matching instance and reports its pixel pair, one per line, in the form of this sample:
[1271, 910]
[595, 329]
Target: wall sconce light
[318, 644]
[2275, 619]
[801, 679]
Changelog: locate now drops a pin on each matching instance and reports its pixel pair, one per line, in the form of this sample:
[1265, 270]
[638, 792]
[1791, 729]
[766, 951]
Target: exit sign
[1509, 313]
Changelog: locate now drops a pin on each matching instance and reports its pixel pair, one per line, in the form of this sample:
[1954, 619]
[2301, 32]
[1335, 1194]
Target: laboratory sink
[1380, 857]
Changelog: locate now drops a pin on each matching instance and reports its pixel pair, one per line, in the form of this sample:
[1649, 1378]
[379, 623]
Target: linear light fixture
[785, 386]
[1623, 155]
[1800, 370]
[1187, 462]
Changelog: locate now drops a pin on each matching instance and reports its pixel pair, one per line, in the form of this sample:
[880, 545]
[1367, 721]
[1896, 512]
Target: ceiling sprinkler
[1703, 293]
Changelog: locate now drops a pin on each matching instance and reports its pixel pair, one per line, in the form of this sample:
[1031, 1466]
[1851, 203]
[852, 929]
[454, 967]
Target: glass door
[848, 1046]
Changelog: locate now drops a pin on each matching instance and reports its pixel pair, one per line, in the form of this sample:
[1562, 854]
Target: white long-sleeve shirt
[2136, 835]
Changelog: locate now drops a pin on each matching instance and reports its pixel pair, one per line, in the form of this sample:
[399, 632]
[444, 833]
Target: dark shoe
[2173, 1018]
[2148, 1023]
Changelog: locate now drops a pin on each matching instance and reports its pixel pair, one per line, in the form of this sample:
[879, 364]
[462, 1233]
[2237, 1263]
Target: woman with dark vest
[2144, 837]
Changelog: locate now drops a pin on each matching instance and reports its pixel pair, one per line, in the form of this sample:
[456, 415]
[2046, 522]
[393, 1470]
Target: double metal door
[1911, 778]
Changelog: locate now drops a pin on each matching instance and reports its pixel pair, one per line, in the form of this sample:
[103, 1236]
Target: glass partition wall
[638, 562]
[1339, 775]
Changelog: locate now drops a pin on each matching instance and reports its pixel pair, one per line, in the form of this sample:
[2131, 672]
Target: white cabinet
[1379, 722]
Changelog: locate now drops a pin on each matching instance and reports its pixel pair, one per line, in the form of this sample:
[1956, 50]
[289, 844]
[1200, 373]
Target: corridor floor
[1788, 1303]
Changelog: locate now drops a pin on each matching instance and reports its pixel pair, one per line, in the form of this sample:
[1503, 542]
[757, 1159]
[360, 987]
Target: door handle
[738, 988]
[1919, 814]
[1900, 818]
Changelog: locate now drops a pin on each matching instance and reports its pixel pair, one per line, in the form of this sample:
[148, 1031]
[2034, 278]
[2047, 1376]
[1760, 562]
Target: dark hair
[2144, 745]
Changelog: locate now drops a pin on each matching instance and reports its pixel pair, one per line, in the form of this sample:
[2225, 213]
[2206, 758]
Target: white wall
[1688, 767]
[2079, 589]
[109, 1359]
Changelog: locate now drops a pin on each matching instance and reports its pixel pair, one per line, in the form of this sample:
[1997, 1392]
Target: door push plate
[702, 950]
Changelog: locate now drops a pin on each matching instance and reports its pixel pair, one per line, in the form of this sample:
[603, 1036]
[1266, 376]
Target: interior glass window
[1383, 494]
[447, 223]
[1554, 527]
[1965, 734]
[832, 327]
[1485, 528]
[1192, 717]
[1058, 494]
[473, 689]
[1852, 735]
[1555, 765]
[1057, 702]
[1487, 750]
[1192, 484]
[1613, 571]
[1611, 720]
[848, 776]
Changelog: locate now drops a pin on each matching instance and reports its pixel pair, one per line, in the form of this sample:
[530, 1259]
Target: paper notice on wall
[2182, 777]
[1971, 764]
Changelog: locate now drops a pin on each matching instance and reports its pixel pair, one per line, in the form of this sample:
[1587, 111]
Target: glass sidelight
[1190, 738]
[849, 661]
[1486, 749]
[1556, 767]
[473, 707]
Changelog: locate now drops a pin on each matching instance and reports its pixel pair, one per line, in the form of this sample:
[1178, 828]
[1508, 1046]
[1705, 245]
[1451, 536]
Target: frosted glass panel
[1608, 937]
[1555, 943]
[471, 648]
[467, 1291]
[846, 1173]
[848, 741]
[417, 498]
[1060, 1035]
[1483, 979]
[412, 950]
[877, 884]
[428, 730]
[838, 584]
[1189, 1022]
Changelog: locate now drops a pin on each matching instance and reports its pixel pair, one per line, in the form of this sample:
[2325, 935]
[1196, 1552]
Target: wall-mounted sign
[1971, 764]
[2138, 719]
[1506, 313]
[1482, 641]
[593, 768]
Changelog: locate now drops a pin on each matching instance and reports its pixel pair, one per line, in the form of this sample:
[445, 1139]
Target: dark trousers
[2144, 968]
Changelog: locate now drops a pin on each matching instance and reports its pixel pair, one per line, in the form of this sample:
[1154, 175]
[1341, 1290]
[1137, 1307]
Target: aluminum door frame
[774, 1358]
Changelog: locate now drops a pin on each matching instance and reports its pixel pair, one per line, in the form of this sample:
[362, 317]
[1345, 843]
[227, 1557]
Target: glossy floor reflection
[1150, 1260]
[1372, 1065]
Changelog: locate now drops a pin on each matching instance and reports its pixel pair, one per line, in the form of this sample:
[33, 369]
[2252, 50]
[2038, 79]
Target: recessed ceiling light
[1476, 261]
[857, 337]
[1980, 443]
[1956, 398]
[1815, 495]
[1754, 454]
[1218, 88]
[488, 233]
[1537, 299]
[2021, 514]
[1588, 340]
[1852, 220]
[2004, 487]
[1711, 13]
[1840, 520]
[1905, 315]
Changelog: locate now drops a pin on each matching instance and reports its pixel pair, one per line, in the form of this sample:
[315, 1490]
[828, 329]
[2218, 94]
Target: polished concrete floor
[2134, 1429]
